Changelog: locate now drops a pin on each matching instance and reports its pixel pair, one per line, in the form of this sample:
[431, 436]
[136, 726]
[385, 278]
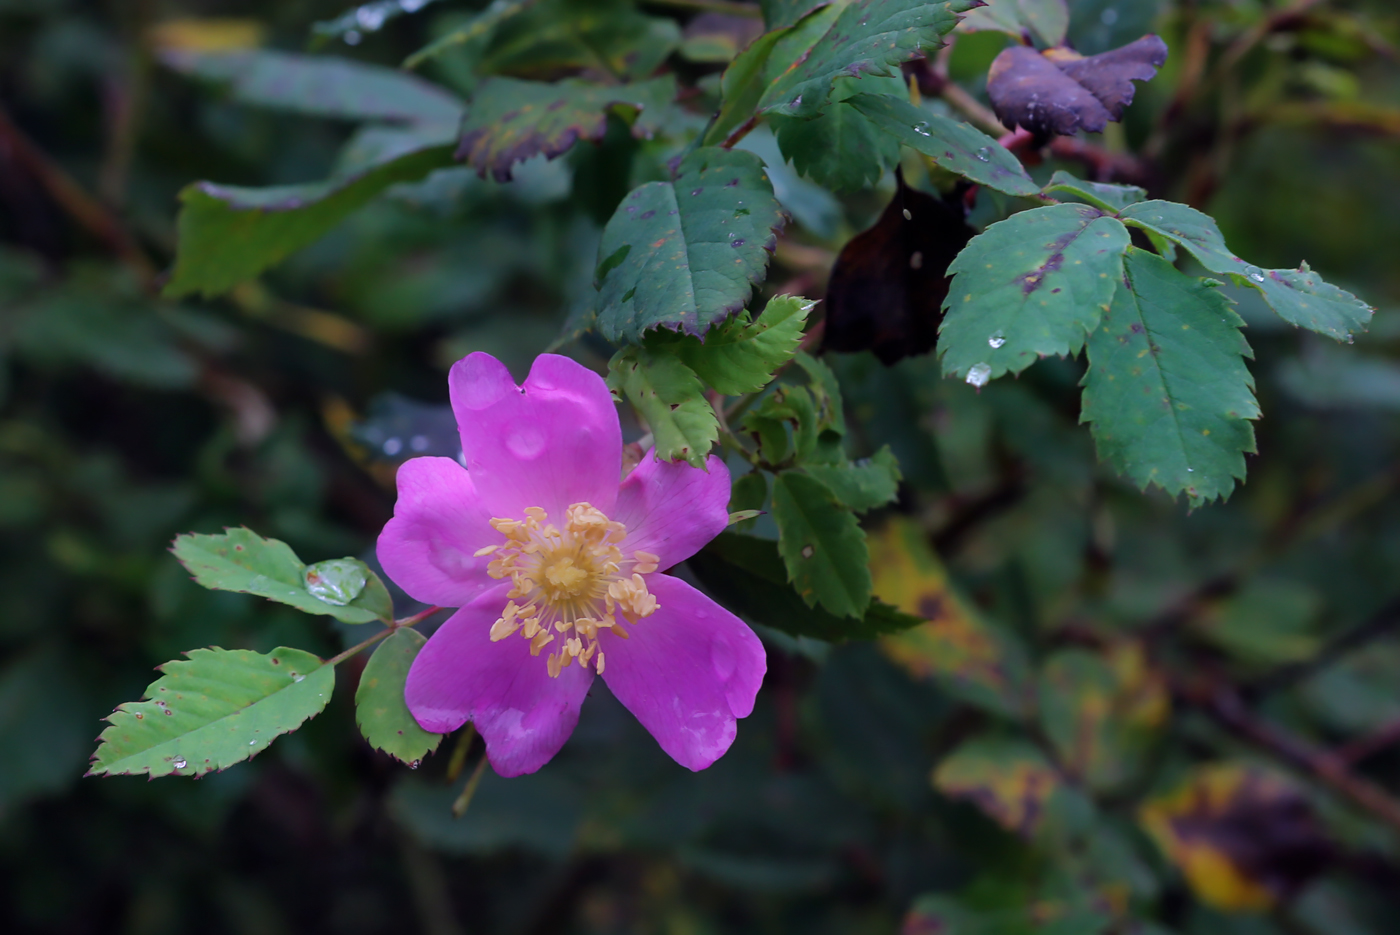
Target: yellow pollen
[572, 579]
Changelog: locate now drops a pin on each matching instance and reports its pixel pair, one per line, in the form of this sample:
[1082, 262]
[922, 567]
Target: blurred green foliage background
[126, 419]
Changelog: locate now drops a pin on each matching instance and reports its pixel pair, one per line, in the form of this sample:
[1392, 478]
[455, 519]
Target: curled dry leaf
[1060, 92]
[889, 282]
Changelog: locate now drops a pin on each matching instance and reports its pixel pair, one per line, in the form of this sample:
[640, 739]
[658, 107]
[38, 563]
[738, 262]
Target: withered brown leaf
[1060, 92]
[888, 284]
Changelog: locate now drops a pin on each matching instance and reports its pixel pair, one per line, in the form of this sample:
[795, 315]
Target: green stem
[459, 753]
[417, 618]
[459, 807]
[387, 631]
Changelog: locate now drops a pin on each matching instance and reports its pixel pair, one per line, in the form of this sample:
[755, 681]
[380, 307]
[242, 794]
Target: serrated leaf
[839, 148]
[968, 656]
[480, 27]
[1029, 287]
[747, 575]
[321, 85]
[671, 398]
[956, 146]
[241, 560]
[822, 545]
[1099, 194]
[214, 709]
[1167, 392]
[1299, 296]
[739, 356]
[826, 390]
[511, 120]
[780, 14]
[861, 485]
[380, 709]
[741, 86]
[1010, 780]
[1044, 20]
[685, 254]
[866, 37]
[228, 234]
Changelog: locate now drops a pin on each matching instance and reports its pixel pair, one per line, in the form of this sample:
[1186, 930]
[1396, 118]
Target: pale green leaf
[380, 709]
[671, 398]
[214, 709]
[1029, 287]
[1167, 392]
[822, 545]
[480, 27]
[738, 355]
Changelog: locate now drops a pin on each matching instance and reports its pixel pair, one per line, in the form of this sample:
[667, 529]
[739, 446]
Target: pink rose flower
[557, 567]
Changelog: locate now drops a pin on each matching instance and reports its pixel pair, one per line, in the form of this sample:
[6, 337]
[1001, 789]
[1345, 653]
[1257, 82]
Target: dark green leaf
[671, 398]
[380, 709]
[779, 14]
[559, 37]
[1099, 194]
[214, 709]
[240, 560]
[740, 356]
[822, 545]
[748, 576]
[1167, 390]
[1028, 287]
[956, 146]
[863, 485]
[840, 148]
[1298, 296]
[741, 85]
[44, 725]
[229, 235]
[480, 27]
[321, 85]
[368, 17]
[511, 120]
[866, 37]
[1045, 21]
[685, 254]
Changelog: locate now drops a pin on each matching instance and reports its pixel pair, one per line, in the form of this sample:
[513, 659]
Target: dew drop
[984, 154]
[370, 17]
[180, 762]
[979, 374]
[526, 442]
[797, 101]
[393, 446]
[808, 551]
[1190, 470]
[907, 215]
[298, 678]
[1254, 273]
[916, 260]
[251, 742]
[337, 581]
[921, 128]
[415, 764]
[996, 340]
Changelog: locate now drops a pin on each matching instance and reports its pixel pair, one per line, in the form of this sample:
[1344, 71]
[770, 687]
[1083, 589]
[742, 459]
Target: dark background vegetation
[125, 420]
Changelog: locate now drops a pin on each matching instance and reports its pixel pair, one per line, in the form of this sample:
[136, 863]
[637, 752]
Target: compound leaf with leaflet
[822, 545]
[739, 355]
[670, 397]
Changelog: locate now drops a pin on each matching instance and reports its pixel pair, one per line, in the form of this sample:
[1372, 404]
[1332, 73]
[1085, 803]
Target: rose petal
[439, 522]
[687, 672]
[671, 509]
[460, 675]
[551, 443]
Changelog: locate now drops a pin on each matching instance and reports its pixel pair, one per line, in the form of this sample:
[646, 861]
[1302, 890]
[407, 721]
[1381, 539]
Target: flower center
[571, 583]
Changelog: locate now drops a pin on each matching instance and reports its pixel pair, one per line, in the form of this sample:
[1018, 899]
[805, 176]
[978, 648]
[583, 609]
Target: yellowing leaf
[968, 657]
[206, 35]
[1010, 780]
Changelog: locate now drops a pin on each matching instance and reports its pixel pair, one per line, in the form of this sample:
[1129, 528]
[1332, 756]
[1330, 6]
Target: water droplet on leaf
[1254, 273]
[180, 762]
[337, 581]
[979, 374]
[921, 128]
[997, 340]
[907, 215]
[985, 154]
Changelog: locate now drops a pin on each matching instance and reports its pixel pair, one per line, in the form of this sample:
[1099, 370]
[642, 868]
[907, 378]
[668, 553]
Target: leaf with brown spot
[1060, 92]
[969, 657]
[1010, 780]
[1243, 837]
[510, 120]
[889, 282]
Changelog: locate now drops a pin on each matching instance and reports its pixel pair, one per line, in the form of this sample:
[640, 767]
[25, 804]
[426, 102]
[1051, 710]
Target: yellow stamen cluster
[571, 583]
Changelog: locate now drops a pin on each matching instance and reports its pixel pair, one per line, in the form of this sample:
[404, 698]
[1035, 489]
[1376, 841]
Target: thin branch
[464, 801]
[415, 619]
[364, 644]
[1369, 745]
[1384, 622]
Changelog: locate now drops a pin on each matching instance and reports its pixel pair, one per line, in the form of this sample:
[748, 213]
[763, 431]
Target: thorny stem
[387, 631]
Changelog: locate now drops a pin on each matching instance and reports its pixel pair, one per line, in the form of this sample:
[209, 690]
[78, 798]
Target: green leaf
[321, 85]
[741, 86]
[1099, 194]
[748, 576]
[214, 709]
[866, 37]
[822, 545]
[367, 17]
[241, 560]
[480, 27]
[1167, 391]
[557, 37]
[380, 709]
[1028, 287]
[840, 148]
[863, 485]
[780, 14]
[671, 398]
[228, 235]
[827, 391]
[1010, 780]
[739, 356]
[1046, 21]
[510, 120]
[44, 724]
[1299, 296]
[956, 146]
[685, 254]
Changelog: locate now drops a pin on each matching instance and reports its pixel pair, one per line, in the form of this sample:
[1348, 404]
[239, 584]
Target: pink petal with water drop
[671, 509]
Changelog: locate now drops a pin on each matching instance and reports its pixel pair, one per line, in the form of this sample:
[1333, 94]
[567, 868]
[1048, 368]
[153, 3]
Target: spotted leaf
[380, 709]
[1010, 780]
[670, 397]
[822, 545]
[1028, 287]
